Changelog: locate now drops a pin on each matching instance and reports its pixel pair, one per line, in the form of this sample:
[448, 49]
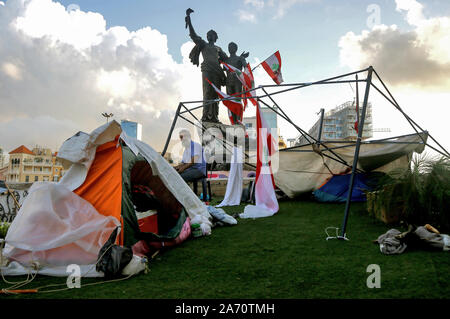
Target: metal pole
[356, 156]
[171, 130]
[322, 113]
[357, 101]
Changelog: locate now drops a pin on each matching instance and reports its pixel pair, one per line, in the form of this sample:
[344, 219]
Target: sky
[64, 63]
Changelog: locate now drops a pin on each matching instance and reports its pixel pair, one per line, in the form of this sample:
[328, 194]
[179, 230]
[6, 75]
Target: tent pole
[356, 156]
[322, 113]
[171, 130]
[357, 100]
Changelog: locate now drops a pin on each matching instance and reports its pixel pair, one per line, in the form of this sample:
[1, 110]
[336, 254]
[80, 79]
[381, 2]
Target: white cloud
[46, 18]
[277, 8]
[246, 16]
[415, 64]
[414, 10]
[420, 57]
[282, 6]
[259, 4]
[61, 69]
[12, 70]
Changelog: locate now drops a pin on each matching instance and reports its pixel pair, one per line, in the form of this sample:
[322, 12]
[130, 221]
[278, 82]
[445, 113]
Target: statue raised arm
[210, 68]
[192, 33]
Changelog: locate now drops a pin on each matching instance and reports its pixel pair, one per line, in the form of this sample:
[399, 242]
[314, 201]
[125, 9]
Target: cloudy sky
[64, 63]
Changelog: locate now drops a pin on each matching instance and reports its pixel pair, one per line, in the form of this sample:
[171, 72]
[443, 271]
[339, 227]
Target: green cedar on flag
[272, 65]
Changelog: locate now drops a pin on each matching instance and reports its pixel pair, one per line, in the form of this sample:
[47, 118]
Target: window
[35, 178]
[27, 178]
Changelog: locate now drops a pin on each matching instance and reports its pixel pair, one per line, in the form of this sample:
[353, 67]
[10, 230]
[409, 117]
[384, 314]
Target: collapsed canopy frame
[320, 145]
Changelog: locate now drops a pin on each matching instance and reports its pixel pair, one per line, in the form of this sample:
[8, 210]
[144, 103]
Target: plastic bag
[135, 266]
[220, 215]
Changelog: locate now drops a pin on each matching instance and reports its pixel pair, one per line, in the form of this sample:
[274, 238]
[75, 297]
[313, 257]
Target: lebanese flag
[249, 83]
[272, 65]
[236, 71]
[266, 200]
[234, 105]
[246, 78]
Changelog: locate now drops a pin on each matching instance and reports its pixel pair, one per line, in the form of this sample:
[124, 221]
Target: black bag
[113, 258]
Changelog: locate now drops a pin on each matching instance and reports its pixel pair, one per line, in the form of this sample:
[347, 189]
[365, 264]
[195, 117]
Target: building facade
[271, 119]
[133, 129]
[37, 165]
[3, 158]
[339, 124]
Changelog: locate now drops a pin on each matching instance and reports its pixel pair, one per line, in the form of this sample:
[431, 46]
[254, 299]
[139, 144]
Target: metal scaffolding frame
[183, 109]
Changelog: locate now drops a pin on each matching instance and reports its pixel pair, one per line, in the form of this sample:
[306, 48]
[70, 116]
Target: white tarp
[55, 227]
[302, 170]
[78, 152]
[233, 193]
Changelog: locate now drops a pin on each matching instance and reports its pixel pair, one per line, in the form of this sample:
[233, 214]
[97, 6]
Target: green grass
[284, 256]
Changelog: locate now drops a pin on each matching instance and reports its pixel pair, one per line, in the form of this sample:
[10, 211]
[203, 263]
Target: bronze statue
[210, 68]
[233, 84]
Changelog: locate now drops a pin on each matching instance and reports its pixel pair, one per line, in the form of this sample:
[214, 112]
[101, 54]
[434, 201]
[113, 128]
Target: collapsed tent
[112, 180]
[336, 188]
[301, 169]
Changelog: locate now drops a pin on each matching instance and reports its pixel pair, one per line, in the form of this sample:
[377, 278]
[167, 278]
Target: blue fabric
[195, 150]
[202, 165]
[336, 189]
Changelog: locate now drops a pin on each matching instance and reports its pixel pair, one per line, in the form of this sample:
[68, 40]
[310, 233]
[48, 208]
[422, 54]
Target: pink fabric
[57, 227]
[142, 248]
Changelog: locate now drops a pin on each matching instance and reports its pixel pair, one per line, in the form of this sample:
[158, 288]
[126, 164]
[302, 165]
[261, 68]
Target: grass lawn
[284, 256]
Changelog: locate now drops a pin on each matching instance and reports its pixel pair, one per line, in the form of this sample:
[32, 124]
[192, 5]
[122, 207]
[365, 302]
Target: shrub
[4, 226]
[419, 194]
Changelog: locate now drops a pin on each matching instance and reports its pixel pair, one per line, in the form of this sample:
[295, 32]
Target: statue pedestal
[219, 139]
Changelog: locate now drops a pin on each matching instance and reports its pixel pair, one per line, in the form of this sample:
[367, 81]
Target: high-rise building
[339, 124]
[133, 129]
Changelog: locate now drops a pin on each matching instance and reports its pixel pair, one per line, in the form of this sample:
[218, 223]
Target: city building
[281, 143]
[3, 173]
[3, 158]
[39, 164]
[291, 141]
[133, 129]
[339, 124]
[270, 118]
[57, 168]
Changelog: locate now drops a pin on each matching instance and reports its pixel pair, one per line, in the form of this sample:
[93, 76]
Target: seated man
[193, 164]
